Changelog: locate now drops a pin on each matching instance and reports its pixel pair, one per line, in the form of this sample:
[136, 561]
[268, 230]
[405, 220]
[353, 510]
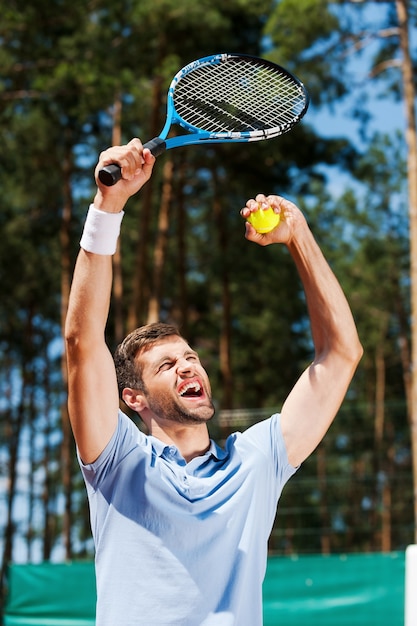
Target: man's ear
[134, 399]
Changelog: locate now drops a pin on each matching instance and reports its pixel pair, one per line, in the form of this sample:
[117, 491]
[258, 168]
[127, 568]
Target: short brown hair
[128, 372]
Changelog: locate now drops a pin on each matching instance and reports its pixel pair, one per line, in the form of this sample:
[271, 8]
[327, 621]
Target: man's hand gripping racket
[226, 98]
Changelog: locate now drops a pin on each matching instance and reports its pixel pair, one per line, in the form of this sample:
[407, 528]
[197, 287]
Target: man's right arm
[92, 387]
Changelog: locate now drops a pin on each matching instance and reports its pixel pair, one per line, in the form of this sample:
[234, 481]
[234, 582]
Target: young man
[181, 525]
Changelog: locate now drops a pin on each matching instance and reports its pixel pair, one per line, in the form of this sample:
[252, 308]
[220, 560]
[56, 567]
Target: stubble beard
[170, 410]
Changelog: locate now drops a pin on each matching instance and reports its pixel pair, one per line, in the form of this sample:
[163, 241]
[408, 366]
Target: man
[181, 525]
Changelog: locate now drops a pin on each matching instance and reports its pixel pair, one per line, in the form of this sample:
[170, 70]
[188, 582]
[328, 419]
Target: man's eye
[164, 366]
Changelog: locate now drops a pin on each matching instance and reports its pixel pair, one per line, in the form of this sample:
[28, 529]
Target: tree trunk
[140, 285]
[409, 99]
[30, 534]
[324, 508]
[386, 496]
[382, 465]
[117, 300]
[48, 531]
[182, 254]
[13, 431]
[226, 325]
[404, 346]
[67, 440]
[161, 244]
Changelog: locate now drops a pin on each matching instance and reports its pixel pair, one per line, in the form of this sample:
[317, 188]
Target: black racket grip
[110, 174]
[157, 146]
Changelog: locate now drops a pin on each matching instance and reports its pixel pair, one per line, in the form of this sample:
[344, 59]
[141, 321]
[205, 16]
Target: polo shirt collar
[160, 448]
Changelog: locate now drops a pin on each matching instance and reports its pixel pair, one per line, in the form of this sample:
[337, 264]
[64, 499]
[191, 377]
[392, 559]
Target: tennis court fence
[335, 590]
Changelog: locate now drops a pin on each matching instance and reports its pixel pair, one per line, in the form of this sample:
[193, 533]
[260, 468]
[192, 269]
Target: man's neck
[191, 441]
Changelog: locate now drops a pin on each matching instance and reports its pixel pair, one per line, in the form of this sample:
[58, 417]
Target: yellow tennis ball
[264, 220]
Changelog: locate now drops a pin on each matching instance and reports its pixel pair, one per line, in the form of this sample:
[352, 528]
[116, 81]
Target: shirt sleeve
[126, 438]
[268, 438]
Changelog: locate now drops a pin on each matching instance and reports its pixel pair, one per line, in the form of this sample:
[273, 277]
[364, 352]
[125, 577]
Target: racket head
[227, 97]
[233, 97]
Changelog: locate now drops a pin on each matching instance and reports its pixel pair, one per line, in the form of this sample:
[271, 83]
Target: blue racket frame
[195, 135]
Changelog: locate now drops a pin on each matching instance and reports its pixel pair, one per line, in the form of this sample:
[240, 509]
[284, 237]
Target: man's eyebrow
[171, 357]
[190, 351]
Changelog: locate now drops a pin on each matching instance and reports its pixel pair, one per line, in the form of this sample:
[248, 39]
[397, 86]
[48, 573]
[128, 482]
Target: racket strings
[239, 96]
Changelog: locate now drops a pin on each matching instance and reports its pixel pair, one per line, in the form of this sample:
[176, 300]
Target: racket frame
[197, 135]
[110, 174]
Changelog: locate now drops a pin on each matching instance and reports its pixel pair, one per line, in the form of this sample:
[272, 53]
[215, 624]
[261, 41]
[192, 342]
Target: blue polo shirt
[184, 544]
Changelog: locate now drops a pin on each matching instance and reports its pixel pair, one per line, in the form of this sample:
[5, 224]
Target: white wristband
[101, 231]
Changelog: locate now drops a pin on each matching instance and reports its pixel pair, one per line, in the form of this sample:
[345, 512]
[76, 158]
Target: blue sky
[388, 116]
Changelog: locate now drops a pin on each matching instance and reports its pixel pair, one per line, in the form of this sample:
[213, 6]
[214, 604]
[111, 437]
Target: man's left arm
[316, 397]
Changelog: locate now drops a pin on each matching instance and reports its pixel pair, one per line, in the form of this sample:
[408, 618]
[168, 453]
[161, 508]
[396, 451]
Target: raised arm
[92, 388]
[315, 399]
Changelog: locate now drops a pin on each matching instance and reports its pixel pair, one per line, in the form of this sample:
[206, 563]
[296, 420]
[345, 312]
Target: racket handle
[110, 174]
[157, 146]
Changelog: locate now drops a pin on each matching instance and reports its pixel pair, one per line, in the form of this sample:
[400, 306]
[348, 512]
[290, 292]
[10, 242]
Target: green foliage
[297, 25]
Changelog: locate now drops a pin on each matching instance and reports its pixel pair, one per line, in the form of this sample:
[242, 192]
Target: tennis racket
[227, 98]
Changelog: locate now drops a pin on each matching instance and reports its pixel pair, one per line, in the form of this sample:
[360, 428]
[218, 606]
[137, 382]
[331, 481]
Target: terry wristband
[101, 231]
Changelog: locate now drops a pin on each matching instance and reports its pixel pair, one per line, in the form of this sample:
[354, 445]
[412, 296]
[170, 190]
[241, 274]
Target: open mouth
[190, 389]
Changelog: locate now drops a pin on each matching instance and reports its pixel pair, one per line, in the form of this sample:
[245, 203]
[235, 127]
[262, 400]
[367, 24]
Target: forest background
[77, 76]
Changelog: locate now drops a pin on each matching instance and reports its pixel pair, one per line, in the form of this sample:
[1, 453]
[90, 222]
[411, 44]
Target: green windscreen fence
[359, 590]
[353, 590]
[50, 594]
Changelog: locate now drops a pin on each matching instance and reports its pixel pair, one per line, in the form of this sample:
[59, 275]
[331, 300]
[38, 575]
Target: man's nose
[184, 366]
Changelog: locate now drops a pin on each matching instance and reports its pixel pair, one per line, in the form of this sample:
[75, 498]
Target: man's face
[177, 386]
